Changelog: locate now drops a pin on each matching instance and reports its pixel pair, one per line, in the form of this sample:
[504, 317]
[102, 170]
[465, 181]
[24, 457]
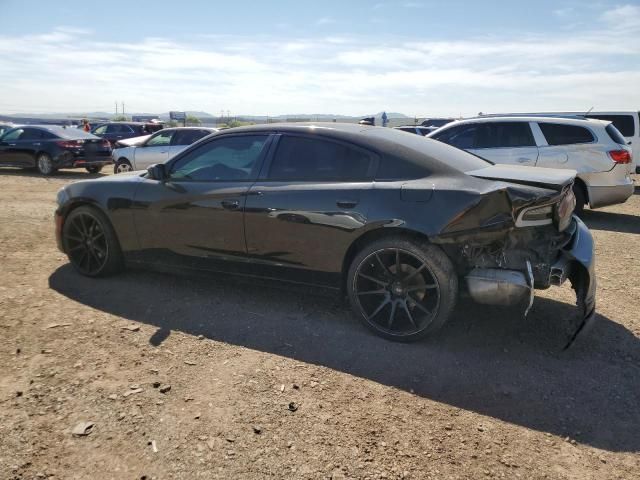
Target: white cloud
[70, 71]
[624, 17]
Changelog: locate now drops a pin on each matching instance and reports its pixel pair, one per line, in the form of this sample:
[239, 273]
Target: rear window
[615, 134]
[624, 123]
[560, 134]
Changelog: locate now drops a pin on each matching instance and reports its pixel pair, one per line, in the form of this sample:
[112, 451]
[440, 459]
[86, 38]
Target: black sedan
[48, 148]
[115, 131]
[400, 223]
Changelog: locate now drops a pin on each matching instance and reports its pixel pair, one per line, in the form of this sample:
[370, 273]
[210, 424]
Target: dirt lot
[491, 396]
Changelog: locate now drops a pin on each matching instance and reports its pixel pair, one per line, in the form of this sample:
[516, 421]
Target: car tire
[91, 243]
[402, 289]
[122, 165]
[44, 165]
[94, 169]
[578, 192]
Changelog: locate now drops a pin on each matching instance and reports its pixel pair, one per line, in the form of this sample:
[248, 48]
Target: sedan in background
[48, 148]
[399, 223]
[115, 131]
[157, 148]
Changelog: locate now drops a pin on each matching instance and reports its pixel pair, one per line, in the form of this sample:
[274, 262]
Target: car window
[117, 128]
[101, 130]
[187, 137]
[12, 135]
[310, 159]
[4, 129]
[560, 134]
[31, 134]
[624, 123]
[160, 139]
[615, 134]
[504, 134]
[224, 159]
[462, 136]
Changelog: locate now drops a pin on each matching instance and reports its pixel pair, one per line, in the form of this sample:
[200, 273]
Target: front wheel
[91, 243]
[401, 289]
[94, 168]
[581, 200]
[122, 165]
[44, 165]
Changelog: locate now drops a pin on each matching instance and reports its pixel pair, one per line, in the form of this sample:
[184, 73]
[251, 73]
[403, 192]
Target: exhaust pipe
[493, 286]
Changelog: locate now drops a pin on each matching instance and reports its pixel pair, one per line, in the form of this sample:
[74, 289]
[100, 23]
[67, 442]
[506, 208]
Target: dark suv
[115, 131]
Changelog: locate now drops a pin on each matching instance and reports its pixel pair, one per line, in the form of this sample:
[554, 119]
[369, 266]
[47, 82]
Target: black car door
[20, 146]
[194, 217]
[308, 206]
[9, 148]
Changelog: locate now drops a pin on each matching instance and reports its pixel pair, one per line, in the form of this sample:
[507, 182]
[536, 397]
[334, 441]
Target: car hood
[133, 142]
[552, 178]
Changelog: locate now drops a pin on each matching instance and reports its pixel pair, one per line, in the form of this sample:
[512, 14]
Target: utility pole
[116, 102]
[123, 114]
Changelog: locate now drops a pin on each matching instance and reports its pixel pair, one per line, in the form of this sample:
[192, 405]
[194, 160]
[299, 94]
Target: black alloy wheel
[403, 292]
[90, 243]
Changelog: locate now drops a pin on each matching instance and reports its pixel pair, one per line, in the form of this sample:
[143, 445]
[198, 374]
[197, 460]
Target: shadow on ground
[612, 222]
[76, 173]
[489, 361]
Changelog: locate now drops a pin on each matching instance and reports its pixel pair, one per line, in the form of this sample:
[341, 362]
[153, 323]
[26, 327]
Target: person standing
[85, 125]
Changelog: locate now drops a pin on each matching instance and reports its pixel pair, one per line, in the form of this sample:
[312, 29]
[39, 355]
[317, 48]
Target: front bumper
[580, 257]
[575, 261]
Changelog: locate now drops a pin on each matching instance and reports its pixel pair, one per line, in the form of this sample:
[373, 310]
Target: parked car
[48, 148]
[115, 131]
[157, 148]
[416, 129]
[398, 222]
[5, 126]
[436, 122]
[594, 148]
[627, 123]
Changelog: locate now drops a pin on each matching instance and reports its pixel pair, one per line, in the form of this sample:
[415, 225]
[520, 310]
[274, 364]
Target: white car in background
[593, 148]
[140, 152]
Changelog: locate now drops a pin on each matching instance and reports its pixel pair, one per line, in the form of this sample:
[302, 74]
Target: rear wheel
[581, 200]
[122, 165]
[91, 243]
[44, 164]
[401, 289]
[94, 168]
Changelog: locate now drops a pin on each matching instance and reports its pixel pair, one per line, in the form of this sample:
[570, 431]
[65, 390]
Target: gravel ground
[192, 377]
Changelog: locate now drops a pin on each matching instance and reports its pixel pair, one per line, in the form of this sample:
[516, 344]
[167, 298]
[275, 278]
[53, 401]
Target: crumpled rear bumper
[580, 254]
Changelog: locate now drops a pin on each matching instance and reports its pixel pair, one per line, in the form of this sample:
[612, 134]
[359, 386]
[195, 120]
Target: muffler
[493, 286]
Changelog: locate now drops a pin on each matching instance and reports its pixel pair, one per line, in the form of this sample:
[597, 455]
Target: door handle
[12, 144]
[230, 204]
[36, 143]
[347, 203]
[523, 160]
[257, 193]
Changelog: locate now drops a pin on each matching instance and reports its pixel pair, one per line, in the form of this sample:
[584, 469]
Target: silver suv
[594, 148]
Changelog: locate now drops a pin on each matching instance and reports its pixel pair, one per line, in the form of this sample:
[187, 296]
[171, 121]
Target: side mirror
[157, 171]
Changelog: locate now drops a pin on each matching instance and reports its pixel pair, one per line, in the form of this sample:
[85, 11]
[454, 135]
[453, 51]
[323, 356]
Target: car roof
[524, 118]
[385, 141]
[61, 131]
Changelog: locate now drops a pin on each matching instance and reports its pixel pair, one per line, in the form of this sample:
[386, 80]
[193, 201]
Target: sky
[348, 57]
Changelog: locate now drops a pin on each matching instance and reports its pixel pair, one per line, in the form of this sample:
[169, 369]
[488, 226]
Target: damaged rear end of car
[518, 234]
